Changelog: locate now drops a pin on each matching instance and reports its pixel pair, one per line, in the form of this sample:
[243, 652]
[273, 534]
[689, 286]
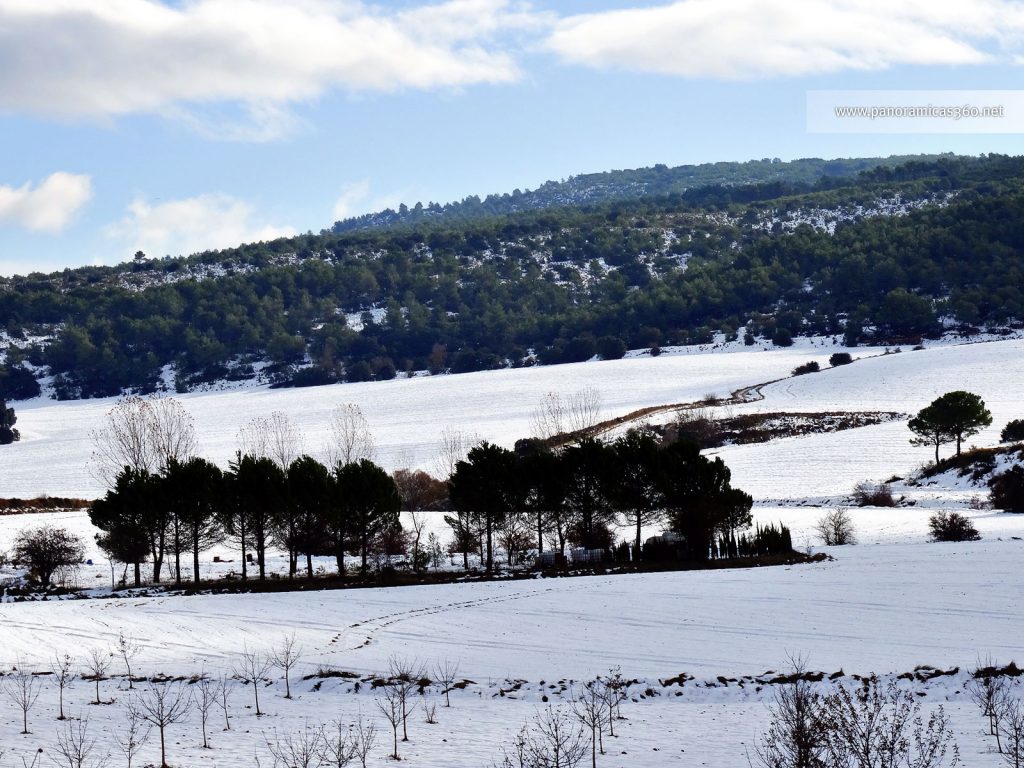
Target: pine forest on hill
[888, 253]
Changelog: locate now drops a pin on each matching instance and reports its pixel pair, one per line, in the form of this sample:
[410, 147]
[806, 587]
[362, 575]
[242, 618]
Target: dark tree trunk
[490, 553]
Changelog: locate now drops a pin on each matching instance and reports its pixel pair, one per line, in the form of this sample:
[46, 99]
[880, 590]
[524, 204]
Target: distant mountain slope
[610, 186]
[885, 256]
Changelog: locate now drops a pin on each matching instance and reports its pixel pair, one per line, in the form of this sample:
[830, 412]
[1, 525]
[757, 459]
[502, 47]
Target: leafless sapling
[22, 687]
[97, 664]
[446, 673]
[1012, 725]
[224, 691]
[430, 713]
[252, 667]
[794, 738]
[77, 749]
[163, 705]
[338, 745]
[204, 696]
[61, 669]
[406, 675]
[127, 649]
[390, 705]
[988, 690]
[134, 733]
[285, 656]
[555, 739]
[591, 709]
[518, 756]
[364, 739]
[299, 749]
[615, 688]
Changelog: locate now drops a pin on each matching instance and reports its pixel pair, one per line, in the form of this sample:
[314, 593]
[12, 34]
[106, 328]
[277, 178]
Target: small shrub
[952, 526]
[870, 495]
[1008, 490]
[1013, 432]
[782, 338]
[836, 528]
[840, 358]
[811, 367]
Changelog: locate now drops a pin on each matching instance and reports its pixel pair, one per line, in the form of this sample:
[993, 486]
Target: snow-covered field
[406, 416]
[886, 605]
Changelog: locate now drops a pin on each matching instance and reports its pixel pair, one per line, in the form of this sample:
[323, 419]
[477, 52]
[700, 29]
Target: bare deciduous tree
[134, 733]
[252, 668]
[557, 415]
[880, 725]
[365, 738]
[446, 673]
[284, 439]
[285, 657]
[204, 696]
[836, 528]
[299, 749]
[22, 687]
[591, 709]
[97, 664]
[61, 669]
[406, 675]
[172, 432]
[142, 434]
[338, 745]
[77, 749]
[1013, 726]
[551, 740]
[795, 738]
[390, 705]
[452, 447]
[127, 649]
[584, 409]
[274, 437]
[615, 689]
[163, 705]
[418, 522]
[224, 691]
[989, 691]
[350, 436]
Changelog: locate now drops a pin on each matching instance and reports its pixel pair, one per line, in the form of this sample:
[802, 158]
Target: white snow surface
[888, 604]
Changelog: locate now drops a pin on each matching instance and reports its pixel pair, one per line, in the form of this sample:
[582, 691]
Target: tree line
[165, 505]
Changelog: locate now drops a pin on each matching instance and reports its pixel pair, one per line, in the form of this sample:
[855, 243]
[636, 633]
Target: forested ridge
[893, 252]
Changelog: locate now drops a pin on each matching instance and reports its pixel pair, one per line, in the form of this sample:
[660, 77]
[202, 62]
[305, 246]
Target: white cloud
[355, 199]
[117, 57]
[349, 201]
[751, 39]
[48, 206]
[182, 227]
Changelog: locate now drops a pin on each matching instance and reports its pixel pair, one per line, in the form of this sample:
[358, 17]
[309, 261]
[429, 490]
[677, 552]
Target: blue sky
[177, 126]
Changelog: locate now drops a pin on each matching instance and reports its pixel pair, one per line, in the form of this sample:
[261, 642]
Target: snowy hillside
[406, 416]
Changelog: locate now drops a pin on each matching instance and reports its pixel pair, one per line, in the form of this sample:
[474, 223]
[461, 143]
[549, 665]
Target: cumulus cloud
[47, 206]
[182, 227]
[119, 57]
[751, 39]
